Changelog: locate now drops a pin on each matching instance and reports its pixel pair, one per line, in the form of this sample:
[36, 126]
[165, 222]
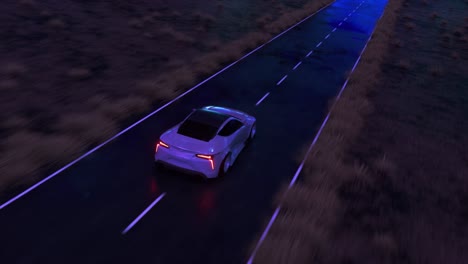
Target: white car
[207, 142]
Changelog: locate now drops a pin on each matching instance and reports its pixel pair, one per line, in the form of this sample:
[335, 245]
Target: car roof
[209, 117]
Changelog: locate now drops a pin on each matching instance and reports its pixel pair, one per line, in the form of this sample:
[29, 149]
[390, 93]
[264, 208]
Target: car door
[235, 132]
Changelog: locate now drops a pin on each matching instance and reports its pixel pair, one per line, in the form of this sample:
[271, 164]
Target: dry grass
[56, 23]
[79, 73]
[455, 55]
[136, 23]
[384, 165]
[443, 24]
[410, 26]
[404, 64]
[386, 243]
[119, 109]
[8, 84]
[435, 70]
[156, 88]
[27, 151]
[15, 123]
[31, 3]
[458, 33]
[203, 18]
[168, 31]
[303, 233]
[397, 43]
[87, 127]
[13, 69]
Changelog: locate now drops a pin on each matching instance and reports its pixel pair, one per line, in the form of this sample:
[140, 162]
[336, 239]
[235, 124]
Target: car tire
[252, 133]
[225, 165]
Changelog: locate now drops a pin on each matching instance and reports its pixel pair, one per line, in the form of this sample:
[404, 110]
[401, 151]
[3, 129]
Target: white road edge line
[299, 169]
[151, 114]
[297, 65]
[310, 52]
[318, 45]
[263, 98]
[275, 214]
[278, 83]
[134, 222]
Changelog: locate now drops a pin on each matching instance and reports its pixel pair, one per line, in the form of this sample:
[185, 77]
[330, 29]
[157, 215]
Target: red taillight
[207, 157]
[204, 156]
[160, 143]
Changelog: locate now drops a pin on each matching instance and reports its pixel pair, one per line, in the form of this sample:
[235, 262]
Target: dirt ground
[387, 181]
[71, 72]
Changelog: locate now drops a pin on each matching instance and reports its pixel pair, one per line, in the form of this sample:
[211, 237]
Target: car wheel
[225, 165]
[253, 131]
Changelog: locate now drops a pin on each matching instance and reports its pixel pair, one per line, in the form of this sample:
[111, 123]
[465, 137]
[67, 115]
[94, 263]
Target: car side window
[231, 127]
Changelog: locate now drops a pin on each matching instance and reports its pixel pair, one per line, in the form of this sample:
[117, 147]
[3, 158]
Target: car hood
[173, 139]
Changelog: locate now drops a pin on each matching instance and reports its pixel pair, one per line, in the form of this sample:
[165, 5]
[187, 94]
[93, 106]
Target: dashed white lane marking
[310, 52]
[341, 23]
[263, 98]
[345, 19]
[318, 45]
[297, 65]
[327, 36]
[334, 30]
[143, 214]
[282, 79]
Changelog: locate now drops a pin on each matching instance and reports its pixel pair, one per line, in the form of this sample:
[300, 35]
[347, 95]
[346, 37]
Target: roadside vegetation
[71, 73]
[386, 181]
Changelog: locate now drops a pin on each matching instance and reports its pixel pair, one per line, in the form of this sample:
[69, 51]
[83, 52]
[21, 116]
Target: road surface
[113, 207]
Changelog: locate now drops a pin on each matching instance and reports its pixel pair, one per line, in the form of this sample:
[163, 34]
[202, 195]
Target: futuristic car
[207, 142]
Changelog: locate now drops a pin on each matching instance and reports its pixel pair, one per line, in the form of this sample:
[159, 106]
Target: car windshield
[197, 130]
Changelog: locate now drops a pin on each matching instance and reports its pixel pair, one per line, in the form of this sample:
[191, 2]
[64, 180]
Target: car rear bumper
[189, 165]
[182, 170]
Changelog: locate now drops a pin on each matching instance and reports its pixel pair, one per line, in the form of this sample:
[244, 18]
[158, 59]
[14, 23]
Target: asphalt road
[79, 216]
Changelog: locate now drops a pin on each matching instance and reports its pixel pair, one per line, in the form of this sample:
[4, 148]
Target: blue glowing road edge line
[298, 171]
[134, 222]
[147, 116]
[272, 220]
[265, 233]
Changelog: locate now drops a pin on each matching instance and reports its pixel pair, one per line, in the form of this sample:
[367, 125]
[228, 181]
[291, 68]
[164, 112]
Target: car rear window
[197, 130]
